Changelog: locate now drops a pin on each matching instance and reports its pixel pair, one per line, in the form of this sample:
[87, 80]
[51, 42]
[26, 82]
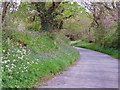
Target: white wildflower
[19, 57]
[5, 62]
[8, 60]
[12, 64]
[7, 66]
[14, 60]
[12, 67]
[9, 70]
[33, 62]
[3, 50]
[17, 72]
[28, 62]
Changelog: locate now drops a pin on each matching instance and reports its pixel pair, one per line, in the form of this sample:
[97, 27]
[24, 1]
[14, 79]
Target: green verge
[28, 57]
[110, 51]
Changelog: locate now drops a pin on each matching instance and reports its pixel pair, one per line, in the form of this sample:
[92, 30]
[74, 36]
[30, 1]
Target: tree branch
[55, 5]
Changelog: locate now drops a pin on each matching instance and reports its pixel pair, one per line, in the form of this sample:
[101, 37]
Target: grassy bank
[110, 51]
[28, 57]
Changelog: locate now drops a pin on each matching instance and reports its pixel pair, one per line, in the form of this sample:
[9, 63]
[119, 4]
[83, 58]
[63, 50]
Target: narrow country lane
[92, 70]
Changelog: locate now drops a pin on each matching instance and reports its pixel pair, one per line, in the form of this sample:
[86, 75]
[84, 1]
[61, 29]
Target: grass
[28, 57]
[110, 51]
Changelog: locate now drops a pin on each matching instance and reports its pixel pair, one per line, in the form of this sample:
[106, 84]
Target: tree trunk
[46, 16]
[47, 22]
[5, 6]
[61, 25]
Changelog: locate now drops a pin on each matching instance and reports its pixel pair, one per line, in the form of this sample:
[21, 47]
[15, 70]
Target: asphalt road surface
[92, 70]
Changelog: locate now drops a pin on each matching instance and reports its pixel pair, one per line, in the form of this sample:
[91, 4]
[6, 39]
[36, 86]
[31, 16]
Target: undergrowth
[27, 57]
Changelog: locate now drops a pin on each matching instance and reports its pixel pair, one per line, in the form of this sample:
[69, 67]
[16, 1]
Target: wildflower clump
[24, 65]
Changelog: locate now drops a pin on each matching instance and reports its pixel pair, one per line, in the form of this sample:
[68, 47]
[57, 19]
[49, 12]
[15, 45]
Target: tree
[47, 16]
[52, 17]
[100, 10]
[105, 17]
[6, 7]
